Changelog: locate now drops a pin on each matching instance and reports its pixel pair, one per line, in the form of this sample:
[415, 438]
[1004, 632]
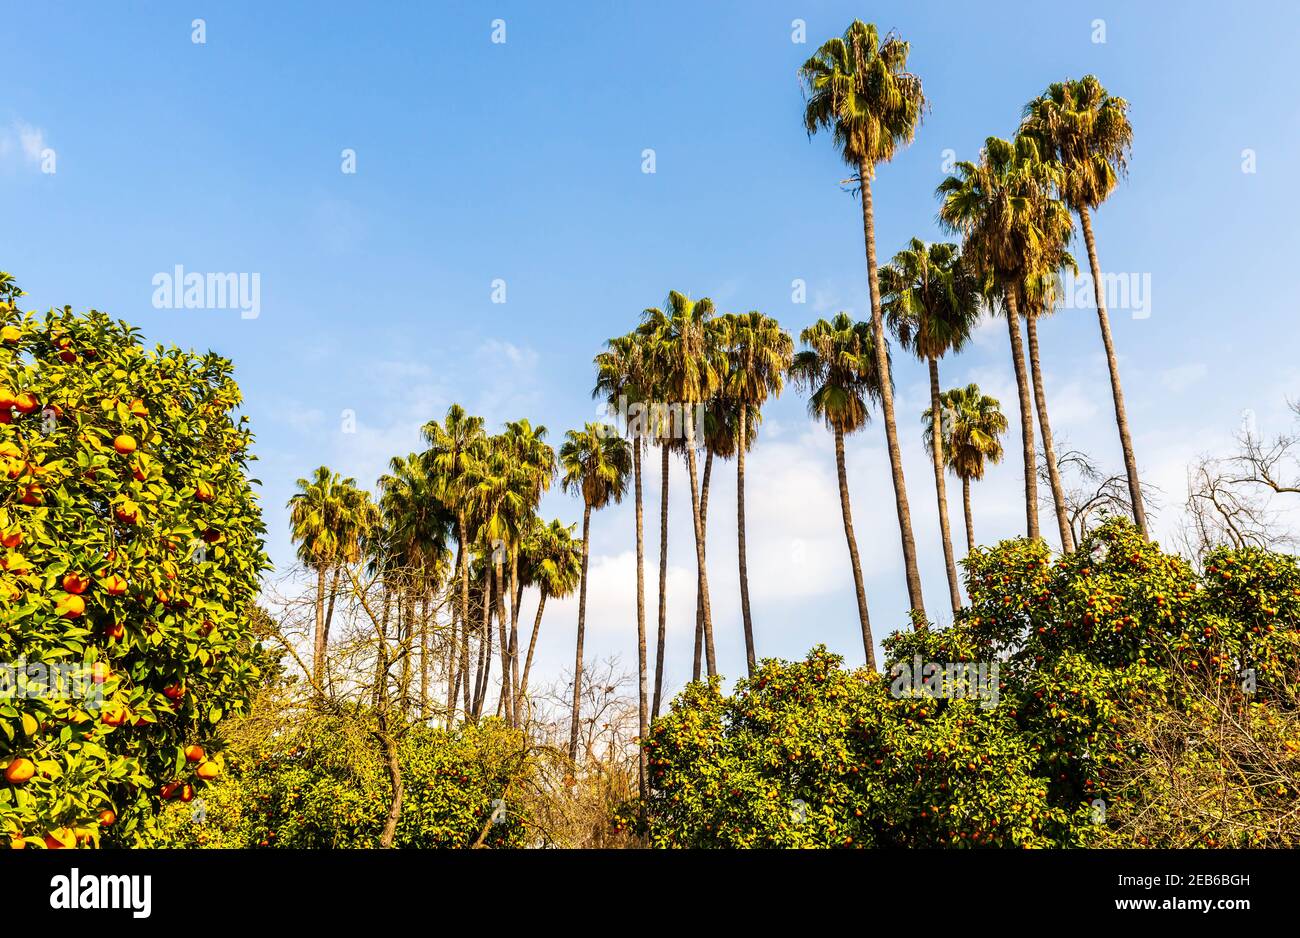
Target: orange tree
[131, 552]
[1088, 645]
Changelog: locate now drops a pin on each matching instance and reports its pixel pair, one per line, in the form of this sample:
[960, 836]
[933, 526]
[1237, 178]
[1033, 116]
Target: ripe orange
[11, 334]
[174, 691]
[116, 631]
[208, 771]
[68, 356]
[126, 515]
[12, 539]
[99, 672]
[194, 753]
[203, 492]
[138, 408]
[106, 818]
[19, 771]
[7, 398]
[187, 792]
[113, 585]
[25, 403]
[169, 790]
[73, 607]
[75, 583]
[124, 443]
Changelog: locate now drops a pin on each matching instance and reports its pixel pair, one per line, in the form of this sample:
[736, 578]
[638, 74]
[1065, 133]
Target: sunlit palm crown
[595, 462]
[931, 298]
[454, 446]
[329, 517]
[417, 527]
[1004, 207]
[681, 349]
[858, 86]
[1085, 129]
[551, 559]
[838, 369]
[972, 424]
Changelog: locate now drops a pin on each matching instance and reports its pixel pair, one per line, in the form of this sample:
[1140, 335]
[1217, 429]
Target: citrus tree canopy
[131, 556]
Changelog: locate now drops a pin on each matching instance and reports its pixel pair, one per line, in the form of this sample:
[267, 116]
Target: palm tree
[839, 369]
[551, 560]
[684, 362]
[622, 379]
[328, 516]
[759, 353]
[858, 87]
[1013, 228]
[596, 464]
[417, 528]
[1038, 297]
[1086, 130]
[932, 302]
[971, 425]
[454, 446]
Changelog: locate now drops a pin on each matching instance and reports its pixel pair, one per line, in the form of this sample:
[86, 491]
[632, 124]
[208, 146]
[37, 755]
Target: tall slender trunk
[406, 644]
[643, 695]
[381, 655]
[515, 713]
[485, 644]
[503, 699]
[751, 656]
[318, 641]
[1049, 451]
[424, 654]
[532, 644]
[703, 576]
[887, 405]
[454, 647]
[663, 581]
[462, 563]
[582, 631]
[1026, 414]
[868, 643]
[704, 630]
[941, 488]
[1117, 393]
[329, 609]
[970, 522]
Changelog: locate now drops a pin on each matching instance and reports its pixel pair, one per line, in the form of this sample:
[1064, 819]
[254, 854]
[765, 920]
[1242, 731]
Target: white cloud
[1183, 377]
[22, 144]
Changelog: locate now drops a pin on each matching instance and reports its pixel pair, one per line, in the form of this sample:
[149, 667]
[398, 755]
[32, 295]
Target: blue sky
[522, 160]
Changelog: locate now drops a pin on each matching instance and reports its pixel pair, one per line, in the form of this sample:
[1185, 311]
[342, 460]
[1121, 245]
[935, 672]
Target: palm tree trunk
[503, 699]
[1026, 415]
[532, 645]
[454, 648]
[704, 631]
[643, 696]
[515, 713]
[887, 406]
[941, 488]
[703, 576]
[663, 582]
[485, 645]
[1117, 393]
[329, 608]
[462, 564]
[751, 656]
[318, 645]
[407, 646]
[381, 654]
[424, 655]
[582, 629]
[868, 643]
[970, 523]
[1049, 451]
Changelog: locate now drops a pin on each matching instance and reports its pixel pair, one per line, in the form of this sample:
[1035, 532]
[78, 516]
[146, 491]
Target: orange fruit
[73, 607]
[11, 334]
[208, 771]
[113, 585]
[19, 771]
[194, 753]
[124, 443]
[75, 583]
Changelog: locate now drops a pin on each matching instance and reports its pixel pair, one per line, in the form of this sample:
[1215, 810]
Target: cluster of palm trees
[469, 488]
[694, 382]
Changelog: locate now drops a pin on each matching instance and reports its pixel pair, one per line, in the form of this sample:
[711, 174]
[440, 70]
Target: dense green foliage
[132, 548]
[324, 784]
[1090, 647]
